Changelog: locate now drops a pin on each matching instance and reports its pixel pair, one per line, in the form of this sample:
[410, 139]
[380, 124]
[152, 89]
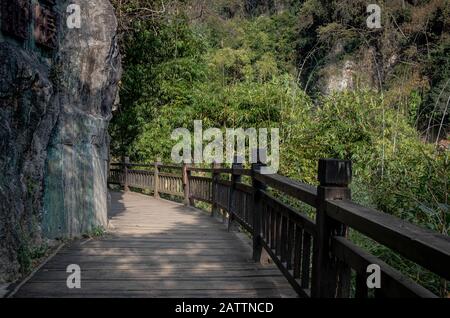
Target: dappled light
[157, 248]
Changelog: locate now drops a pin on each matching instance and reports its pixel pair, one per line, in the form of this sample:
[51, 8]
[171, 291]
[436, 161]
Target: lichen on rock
[89, 70]
[54, 113]
[28, 113]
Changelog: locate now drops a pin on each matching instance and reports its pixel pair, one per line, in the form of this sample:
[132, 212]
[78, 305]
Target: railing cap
[335, 172]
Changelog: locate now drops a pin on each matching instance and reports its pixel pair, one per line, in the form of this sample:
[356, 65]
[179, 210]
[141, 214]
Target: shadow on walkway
[156, 248]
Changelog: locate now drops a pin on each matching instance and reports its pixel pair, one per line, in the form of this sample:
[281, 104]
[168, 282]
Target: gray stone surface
[89, 66]
[345, 74]
[54, 115]
[28, 113]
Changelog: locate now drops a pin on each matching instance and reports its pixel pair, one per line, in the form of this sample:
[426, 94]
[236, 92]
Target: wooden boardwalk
[157, 248]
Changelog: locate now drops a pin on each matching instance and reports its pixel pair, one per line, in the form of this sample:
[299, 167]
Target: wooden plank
[211, 293]
[226, 183]
[170, 244]
[393, 283]
[162, 266]
[139, 164]
[244, 188]
[172, 167]
[298, 245]
[290, 243]
[157, 252]
[171, 175]
[159, 249]
[328, 280]
[193, 169]
[242, 172]
[298, 190]
[145, 172]
[224, 170]
[301, 219]
[427, 248]
[290, 278]
[236, 171]
[306, 260]
[208, 179]
[161, 273]
[278, 233]
[162, 284]
[283, 239]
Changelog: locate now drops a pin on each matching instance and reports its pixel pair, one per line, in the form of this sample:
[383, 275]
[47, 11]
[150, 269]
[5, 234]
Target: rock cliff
[55, 106]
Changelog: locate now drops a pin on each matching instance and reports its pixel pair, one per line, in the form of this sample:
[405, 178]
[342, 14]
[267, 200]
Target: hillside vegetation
[334, 87]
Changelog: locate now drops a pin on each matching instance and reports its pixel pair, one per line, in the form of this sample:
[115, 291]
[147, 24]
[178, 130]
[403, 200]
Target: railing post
[330, 278]
[186, 174]
[156, 178]
[126, 162]
[257, 188]
[237, 164]
[214, 180]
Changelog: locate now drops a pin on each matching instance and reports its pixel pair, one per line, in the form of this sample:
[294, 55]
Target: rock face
[89, 69]
[342, 74]
[28, 113]
[55, 106]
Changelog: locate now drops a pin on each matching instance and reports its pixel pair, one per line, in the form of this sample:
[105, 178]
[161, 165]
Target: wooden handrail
[293, 240]
[418, 244]
[164, 166]
[193, 169]
[200, 178]
[140, 171]
[302, 219]
[298, 190]
[151, 165]
[400, 286]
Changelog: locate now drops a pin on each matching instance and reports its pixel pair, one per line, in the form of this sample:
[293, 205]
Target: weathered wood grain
[156, 248]
[298, 245]
[425, 247]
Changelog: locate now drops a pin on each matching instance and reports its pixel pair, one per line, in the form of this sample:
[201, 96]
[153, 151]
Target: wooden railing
[314, 254]
[156, 177]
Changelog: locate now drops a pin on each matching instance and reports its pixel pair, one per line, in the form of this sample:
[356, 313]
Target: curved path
[157, 248]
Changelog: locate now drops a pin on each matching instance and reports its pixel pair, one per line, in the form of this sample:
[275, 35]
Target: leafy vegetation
[96, 232]
[257, 64]
[29, 255]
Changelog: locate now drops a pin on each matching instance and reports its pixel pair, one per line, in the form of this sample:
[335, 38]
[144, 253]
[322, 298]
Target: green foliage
[96, 232]
[434, 111]
[160, 66]
[411, 51]
[177, 75]
[28, 254]
[239, 71]
[386, 151]
[394, 171]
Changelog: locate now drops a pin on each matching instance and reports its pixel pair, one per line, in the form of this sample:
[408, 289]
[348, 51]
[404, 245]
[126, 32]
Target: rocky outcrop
[355, 71]
[54, 113]
[88, 67]
[28, 113]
